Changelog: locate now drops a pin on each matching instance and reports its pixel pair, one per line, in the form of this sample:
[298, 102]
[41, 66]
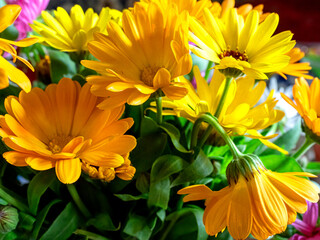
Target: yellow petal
[68, 171]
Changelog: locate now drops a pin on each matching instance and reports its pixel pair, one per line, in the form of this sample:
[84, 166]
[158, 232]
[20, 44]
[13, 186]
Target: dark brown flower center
[235, 54]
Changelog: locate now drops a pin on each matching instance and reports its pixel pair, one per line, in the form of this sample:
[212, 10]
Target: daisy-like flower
[193, 7]
[31, 9]
[9, 14]
[296, 68]
[239, 46]
[62, 128]
[240, 114]
[147, 55]
[307, 100]
[308, 225]
[257, 201]
[71, 33]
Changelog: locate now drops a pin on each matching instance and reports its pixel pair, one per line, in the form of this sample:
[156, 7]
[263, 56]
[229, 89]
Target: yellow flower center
[235, 54]
[148, 74]
[57, 144]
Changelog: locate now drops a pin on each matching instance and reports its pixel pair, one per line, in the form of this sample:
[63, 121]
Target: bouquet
[118, 124]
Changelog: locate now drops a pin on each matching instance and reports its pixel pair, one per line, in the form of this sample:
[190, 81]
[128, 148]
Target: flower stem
[13, 200]
[195, 132]
[213, 121]
[206, 75]
[170, 226]
[90, 235]
[304, 148]
[205, 136]
[159, 109]
[223, 97]
[76, 198]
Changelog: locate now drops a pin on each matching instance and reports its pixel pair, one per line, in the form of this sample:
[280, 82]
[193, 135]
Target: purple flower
[307, 226]
[31, 9]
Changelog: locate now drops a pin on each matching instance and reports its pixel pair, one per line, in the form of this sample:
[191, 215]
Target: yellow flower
[72, 33]
[294, 68]
[246, 46]
[263, 204]
[307, 101]
[239, 116]
[145, 56]
[193, 7]
[8, 14]
[62, 128]
[243, 10]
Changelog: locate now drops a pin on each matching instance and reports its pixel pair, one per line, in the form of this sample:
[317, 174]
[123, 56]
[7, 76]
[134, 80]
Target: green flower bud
[244, 165]
[9, 219]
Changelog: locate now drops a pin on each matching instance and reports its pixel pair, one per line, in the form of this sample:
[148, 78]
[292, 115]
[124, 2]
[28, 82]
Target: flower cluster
[115, 115]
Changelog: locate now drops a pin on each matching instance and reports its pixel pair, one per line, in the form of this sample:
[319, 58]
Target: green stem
[223, 97]
[13, 201]
[90, 235]
[213, 121]
[170, 226]
[304, 148]
[205, 136]
[159, 109]
[76, 198]
[206, 75]
[195, 132]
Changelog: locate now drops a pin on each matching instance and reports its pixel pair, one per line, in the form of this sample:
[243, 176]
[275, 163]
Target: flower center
[57, 144]
[148, 74]
[235, 54]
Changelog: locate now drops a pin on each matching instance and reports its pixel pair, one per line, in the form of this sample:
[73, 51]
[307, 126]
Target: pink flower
[31, 9]
[307, 226]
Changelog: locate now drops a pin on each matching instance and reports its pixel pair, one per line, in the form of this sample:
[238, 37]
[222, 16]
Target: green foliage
[61, 66]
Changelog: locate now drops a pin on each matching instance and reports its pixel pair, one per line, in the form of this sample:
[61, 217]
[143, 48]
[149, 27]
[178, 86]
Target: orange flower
[145, 56]
[262, 204]
[294, 68]
[9, 14]
[62, 128]
[307, 102]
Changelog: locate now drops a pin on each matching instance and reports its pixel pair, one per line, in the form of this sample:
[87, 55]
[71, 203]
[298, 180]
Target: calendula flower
[257, 201]
[296, 68]
[9, 14]
[242, 10]
[31, 9]
[71, 33]
[147, 55]
[239, 46]
[240, 114]
[308, 225]
[193, 7]
[62, 128]
[307, 103]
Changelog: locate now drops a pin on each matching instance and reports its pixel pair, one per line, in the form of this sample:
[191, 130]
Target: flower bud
[9, 219]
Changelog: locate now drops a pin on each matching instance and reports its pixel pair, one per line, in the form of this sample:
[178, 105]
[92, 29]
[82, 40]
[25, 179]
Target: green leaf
[38, 185]
[38, 84]
[61, 65]
[174, 135]
[41, 217]
[128, 197]
[148, 149]
[159, 193]
[10, 33]
[281, 163]
[138, 226]
[165, 166]
[103, 222]
[149, 126]
[26, 221]
[143, 182]
[64, 225]
[313, 167]
[287, 141]
[198, 169]
[190, 216]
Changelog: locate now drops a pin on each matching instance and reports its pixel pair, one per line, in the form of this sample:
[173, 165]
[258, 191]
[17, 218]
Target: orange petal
[39, 163]
[16, 158]
[162, 78]
[68, 171]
